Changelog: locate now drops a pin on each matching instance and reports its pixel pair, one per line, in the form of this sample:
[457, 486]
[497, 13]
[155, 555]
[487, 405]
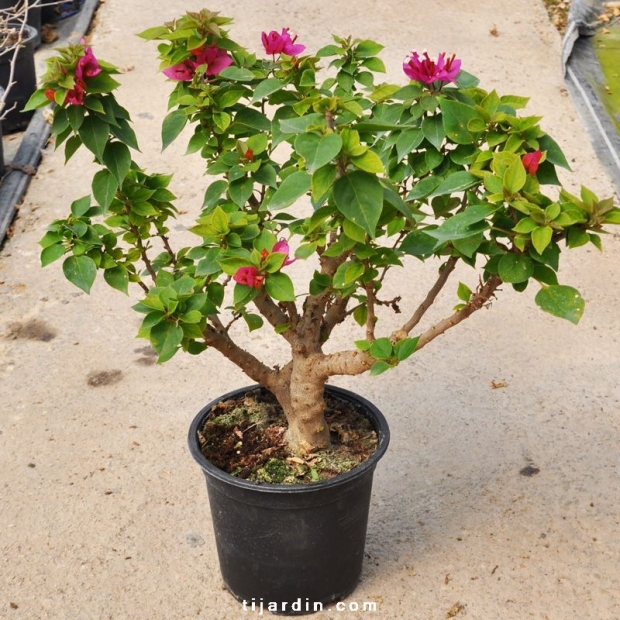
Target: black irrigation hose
[20, 171]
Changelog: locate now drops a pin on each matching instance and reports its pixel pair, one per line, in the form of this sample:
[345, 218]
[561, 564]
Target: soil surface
[245, 437]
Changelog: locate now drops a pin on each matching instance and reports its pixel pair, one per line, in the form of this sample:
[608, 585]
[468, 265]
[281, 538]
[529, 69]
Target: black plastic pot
[25, 83]
[34, 15]
[291, 548]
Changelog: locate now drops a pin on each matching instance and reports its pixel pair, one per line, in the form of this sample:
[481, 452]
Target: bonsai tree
[310, 157]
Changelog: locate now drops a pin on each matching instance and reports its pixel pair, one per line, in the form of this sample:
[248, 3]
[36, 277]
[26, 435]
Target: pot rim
[376, 417]
[30, 33]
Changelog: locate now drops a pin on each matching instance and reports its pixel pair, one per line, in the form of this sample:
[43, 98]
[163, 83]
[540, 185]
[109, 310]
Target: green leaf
[362, 345]
[172, 126]
[80, 206]
[561, 301]
[456, 182]
[52, 253]
[515, 268]
[424, 188]
[408, 140]
[250, 119]
[359, 197]
[318, 150]
[466, 224]
[166, 338]
[553, 152]
[253, 321]
[104, 188]
[300, 124]
[525, 226]
[280, 287]
[81, 271]
[266, 88]
[369, 162]
[238, 74]
[379, 367]
[456, 117]
[406, 348]
[117, 158]
[293, 187]
[38, 99]
[322, 181]
[432, 128]
[214, 192]
[240, 191]
[541, 238]
[463, 292]
[347, 273]
[118, 278]
[192, 317]
[94, 134]
[515, 177]
[367, 48]
[381, 349]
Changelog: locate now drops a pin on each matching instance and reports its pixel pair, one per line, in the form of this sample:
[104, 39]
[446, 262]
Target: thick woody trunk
[302, 399]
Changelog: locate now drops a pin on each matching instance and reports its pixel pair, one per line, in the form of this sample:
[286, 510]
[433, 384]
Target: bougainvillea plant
[337, 168]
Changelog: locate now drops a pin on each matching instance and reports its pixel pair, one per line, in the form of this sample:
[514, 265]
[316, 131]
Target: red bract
[423, 69]
[281, 43]
[212, 57]
[249, 276]
[531, 161]
[75, 96]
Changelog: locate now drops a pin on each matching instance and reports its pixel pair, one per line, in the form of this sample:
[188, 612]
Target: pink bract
[282, 247]
[423, 69]
[214, 58]
[281, 43]
[87, 65]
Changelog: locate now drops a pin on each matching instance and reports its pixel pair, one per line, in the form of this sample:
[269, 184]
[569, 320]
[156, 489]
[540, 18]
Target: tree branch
[480, 298]
[250, 365]
[272, 312]
[416, 317]
[371, 317]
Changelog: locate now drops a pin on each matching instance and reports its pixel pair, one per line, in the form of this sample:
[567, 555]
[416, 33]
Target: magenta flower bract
[530, 161]
[214, 58]
[75, 96]
[87, 65]
[281, 43]
[249, 276]
[423, 69]
[282, 247]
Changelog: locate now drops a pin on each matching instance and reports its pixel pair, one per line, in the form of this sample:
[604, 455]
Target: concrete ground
[103, 513]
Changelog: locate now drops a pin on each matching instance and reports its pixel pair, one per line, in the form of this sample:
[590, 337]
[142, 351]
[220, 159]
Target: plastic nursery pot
[34, 15]
[291, 548]
[25, 82]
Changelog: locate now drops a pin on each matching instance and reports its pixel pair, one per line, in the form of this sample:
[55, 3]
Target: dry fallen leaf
[455, 610]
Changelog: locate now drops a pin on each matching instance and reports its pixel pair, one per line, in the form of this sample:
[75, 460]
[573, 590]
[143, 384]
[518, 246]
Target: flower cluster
[281, 43]
[87, 67]
[252, 276]
[211, 57]
[423, 69]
